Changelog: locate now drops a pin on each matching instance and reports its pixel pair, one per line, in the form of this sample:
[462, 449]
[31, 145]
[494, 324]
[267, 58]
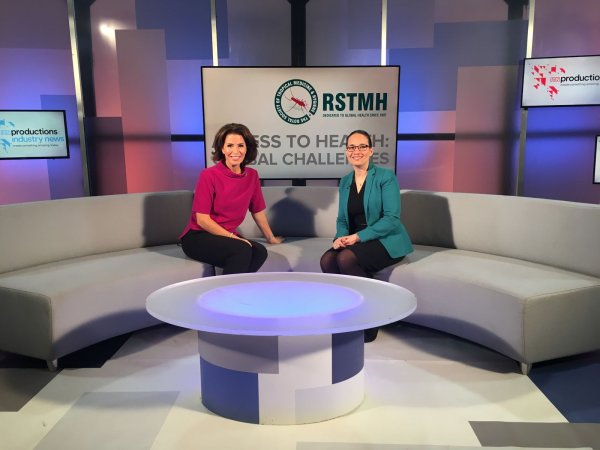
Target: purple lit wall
[560, 141]
[147, 57]
[460, 69]
[147, 63]
[459, 65]
[37, 73]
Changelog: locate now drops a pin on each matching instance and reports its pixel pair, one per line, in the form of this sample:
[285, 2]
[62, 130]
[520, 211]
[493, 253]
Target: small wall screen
[33, 134]
[561, 81]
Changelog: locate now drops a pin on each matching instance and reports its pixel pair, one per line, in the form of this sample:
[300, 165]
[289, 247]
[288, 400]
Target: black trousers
[233, 255]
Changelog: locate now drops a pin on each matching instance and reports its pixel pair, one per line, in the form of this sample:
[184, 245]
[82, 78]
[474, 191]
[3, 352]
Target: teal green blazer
[382, 210]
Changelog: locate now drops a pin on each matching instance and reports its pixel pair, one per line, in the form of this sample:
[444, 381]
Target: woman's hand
[338, 243]
[345, 241]
[263, 224]
[350, 240]
[275, 240]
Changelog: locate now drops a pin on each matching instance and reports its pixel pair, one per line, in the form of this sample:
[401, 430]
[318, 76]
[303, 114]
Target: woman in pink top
[223, 195]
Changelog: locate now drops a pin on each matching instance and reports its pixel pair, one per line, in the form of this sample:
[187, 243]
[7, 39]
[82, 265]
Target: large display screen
[301, 116]
[33, 134]
[561, 81]
[597, 161]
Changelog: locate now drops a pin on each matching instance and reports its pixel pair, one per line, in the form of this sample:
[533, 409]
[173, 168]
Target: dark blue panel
[572, 386]
[186, 24]
[230, 393]
[348, 355]
[564, 121]
[558, 138]
[427, 80]
[428, 77]
[559, 155]
[65, 176]
[106, 155]
[222, 29]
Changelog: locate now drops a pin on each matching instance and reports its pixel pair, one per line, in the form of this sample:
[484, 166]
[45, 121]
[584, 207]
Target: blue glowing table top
[281, 304]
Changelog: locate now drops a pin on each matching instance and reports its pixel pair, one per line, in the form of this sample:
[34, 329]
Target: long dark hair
[242, 130]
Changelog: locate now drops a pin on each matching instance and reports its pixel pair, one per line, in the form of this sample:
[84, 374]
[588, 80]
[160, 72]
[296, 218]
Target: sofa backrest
[308, 211]
[47, 231]
[557, 233]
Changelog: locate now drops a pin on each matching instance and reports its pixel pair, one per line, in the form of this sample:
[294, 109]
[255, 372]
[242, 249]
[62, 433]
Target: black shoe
[371, 334]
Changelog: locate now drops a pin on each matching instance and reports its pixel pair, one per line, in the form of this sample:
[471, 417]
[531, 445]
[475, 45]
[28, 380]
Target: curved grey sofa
[77, 271]
[518, 275]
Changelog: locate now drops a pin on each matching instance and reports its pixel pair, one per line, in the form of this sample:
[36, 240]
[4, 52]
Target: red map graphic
[546, 77]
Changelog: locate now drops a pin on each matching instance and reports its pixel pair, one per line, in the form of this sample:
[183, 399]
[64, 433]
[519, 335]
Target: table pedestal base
[282, 379]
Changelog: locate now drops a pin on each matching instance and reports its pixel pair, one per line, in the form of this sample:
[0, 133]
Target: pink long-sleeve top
[226, 196]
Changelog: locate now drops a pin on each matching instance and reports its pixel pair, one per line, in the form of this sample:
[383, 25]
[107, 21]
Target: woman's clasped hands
[345, 241]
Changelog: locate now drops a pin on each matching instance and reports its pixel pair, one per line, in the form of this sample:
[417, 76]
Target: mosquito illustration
[296, 103]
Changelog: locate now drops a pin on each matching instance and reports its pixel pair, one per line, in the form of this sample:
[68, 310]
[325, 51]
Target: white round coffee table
[281, 347]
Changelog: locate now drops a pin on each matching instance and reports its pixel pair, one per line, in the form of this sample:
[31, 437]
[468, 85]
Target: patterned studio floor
[425, 390]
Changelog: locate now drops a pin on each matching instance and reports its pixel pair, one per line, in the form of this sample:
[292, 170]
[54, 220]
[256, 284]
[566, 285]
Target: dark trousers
[233, 255]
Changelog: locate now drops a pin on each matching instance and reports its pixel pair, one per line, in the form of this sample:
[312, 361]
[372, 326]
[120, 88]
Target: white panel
[304, 362]
[327, 402]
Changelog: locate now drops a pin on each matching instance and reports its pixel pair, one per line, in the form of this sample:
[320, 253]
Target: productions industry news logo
[547, 77]
[296, 101]
[5, 126]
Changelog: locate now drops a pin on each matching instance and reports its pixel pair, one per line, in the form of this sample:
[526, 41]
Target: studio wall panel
[106, 17]
[185, 96]
[328, 34]
[470, 10]
[188, 162]
[145, 109]
[105, 144]
[428, 76]
[427, 122]
[426, 165]
[410, 23]
[566, 28]
[485, 110]
[186, 25]
[364, 25]
[559, 150]
[37, 72]
[257, 35]
[65, 176]
[24, 181]
[28, 73]
[559, 155]
[34, 24]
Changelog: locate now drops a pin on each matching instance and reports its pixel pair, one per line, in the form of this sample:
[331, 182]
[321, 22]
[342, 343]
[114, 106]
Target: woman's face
[234, 150]
[358, 151]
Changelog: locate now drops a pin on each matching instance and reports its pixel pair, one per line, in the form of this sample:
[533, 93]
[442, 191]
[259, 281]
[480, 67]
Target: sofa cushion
[295, 255]
[80, 301]
[503, 303]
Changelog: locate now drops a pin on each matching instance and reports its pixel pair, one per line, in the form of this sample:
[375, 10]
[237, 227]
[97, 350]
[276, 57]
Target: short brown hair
[242, 130]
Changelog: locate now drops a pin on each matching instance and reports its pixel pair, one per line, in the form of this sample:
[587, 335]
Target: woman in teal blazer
[369, 234]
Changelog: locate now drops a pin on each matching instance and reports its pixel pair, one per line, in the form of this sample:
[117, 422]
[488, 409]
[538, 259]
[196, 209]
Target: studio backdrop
[301, 116]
